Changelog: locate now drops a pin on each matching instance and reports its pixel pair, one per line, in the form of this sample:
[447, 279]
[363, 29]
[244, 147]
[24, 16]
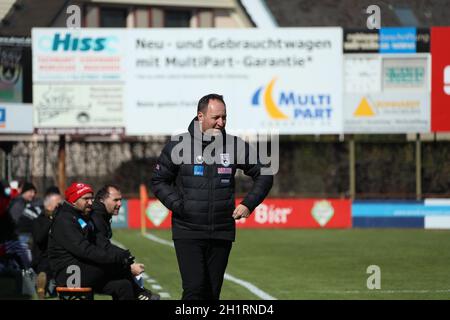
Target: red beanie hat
[76, 190]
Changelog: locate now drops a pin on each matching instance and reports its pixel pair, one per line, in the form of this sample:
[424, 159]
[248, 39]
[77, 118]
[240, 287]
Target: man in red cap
[81, 196]
[81, 257]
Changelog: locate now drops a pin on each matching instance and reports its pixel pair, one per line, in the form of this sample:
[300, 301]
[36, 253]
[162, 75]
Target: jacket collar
[67, 206]
[99, 207]
[194, 130]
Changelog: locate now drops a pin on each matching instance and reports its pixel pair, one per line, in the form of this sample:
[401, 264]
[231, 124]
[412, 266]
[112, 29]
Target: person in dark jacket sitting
[79, 256]
[23, 210]
[41, 227]
[194, 178]
[107, 204]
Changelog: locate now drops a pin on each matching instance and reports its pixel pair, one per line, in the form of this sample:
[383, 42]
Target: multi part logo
[293, 105]
[68, 42]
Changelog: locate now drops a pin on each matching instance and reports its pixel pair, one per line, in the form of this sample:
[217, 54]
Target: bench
[66, 293]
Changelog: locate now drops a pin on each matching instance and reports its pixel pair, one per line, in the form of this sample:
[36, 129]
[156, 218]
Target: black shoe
[146, 294]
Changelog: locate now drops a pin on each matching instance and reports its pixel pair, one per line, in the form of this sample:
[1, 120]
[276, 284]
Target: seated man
[41, 227]
[107, 203]
[78, 254]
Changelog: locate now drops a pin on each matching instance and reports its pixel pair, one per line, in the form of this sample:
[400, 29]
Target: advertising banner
[440, 99]
[388, 40]
[387, 113]
[71, 105]
[397, 40]
[78, 80]
[82, 55]
[387, 93]
[299, 213]
[428, 214]
[272, 213]
[156, 214]
[288, 79]
[15, 59]
[16, 118]
[11, 74]
[395, 209]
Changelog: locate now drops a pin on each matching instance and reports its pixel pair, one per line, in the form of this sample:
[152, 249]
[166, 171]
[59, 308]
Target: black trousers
[202, 264]
[105, 279]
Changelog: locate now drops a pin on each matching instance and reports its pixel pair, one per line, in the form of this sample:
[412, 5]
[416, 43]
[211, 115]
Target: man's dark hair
[51, 190]
[203, 102]
[27, 186]
[103, 193]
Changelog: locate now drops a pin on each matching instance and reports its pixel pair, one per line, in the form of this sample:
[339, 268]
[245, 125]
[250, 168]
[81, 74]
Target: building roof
[352, 13]
[26, 14]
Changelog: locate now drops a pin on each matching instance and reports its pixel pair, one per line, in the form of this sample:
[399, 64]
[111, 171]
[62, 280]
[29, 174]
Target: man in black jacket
[23, 211]
[41, 227]
[107, 204]
[80, 256]
[195, 179]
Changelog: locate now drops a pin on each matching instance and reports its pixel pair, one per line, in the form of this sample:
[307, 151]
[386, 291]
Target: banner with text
[272, 213]
[387, 93]
[79, 80]
[287, 79]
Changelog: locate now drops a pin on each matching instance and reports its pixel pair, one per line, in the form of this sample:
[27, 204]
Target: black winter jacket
[73, 238]
[102, 222]
[23, 213]
[101, 219]
[41, 227]
[201, 193]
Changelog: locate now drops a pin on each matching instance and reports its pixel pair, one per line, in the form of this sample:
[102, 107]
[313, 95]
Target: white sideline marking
[114, 242]
[249, 286]
[146, 276]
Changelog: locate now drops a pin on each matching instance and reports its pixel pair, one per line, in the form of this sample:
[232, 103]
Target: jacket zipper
[211, 198]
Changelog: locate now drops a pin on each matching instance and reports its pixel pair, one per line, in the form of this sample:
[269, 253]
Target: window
[113, 17]
[406, 17]
[177, 18]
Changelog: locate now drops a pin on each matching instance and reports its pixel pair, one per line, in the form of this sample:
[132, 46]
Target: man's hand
[241, 211]
[136, 269]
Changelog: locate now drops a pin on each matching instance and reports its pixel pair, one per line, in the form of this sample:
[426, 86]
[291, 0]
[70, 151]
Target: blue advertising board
[395, 214]
[397, 40]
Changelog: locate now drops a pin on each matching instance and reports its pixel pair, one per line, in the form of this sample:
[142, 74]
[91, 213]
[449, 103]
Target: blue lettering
[311, 100]
[100, 44]
[58, 41]
[316, 113]
[78, 44]
[304, 101]
[75, 44]
[85, 44]
[290, 99]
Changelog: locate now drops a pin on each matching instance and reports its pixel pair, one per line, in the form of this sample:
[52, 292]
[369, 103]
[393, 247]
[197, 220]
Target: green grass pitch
[316, 264]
